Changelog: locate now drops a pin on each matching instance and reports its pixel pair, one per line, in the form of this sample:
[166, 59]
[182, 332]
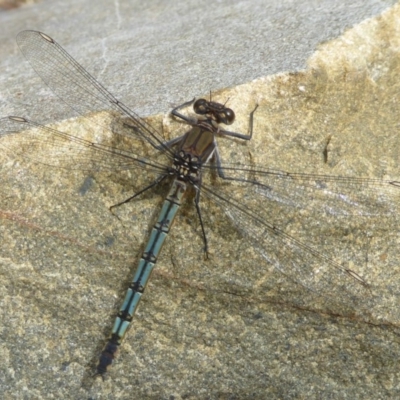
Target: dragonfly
[248, 195]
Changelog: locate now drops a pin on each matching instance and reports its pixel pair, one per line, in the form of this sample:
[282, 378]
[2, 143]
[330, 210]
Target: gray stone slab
[156, 54]
[230, 326]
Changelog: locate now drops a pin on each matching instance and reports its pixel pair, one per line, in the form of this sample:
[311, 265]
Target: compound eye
[226, 117]
[200, 106]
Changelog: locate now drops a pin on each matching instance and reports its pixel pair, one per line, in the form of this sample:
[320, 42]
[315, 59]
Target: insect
[183, 161]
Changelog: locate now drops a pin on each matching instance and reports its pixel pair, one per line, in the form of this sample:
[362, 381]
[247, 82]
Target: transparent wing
[53, 147]
[297, 260]
[275, 210]
[76, 87]
[335, 195]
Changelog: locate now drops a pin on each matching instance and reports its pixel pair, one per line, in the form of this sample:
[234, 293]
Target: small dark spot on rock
[86, 185]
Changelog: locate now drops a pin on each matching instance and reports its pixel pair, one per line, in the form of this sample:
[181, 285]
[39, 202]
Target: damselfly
[249, 195]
